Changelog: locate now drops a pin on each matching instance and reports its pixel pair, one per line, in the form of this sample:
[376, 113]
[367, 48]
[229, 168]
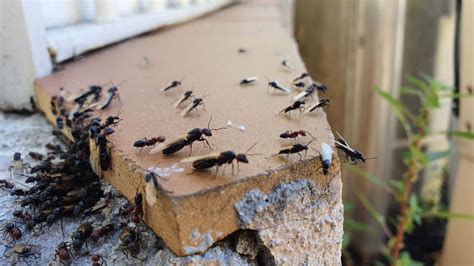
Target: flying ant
[196, 134]
[174, 84]
[12, 230]
[137, 213]
[187, 95]
[93, 90]
[319, 104]
[299, 85]
[104, 156]
[97, 260]
[286, 65]
[218, 159]
[350, 152]
[63, 252]
[275, 85]
[193, 106]
[297, 105]
[248, 81]
[148, 142]
[112, 92]
[151, 188]
[307, 93]
[101, 232]
[293, 134]
[295, 149]
[130, 242]
[302, 76]
[81, 235]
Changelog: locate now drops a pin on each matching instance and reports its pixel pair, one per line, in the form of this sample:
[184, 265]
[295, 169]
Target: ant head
[207, 132]
[242, 158]
[9, 226]
[17, 156]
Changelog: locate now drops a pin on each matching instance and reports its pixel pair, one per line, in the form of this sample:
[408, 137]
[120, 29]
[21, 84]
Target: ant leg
[299, 154]
[140, 150]
[233, 168]
[209, 145]
[62, 226]
[217, 170]
[190, 149]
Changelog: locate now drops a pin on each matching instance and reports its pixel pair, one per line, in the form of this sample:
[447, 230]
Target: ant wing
[178, 101]
[200, 157]
[342, 145]
[300, 96]
[166, 144]
[311, 107]
[106, 102]
[151, 192]
[342, 139]
[187, 109]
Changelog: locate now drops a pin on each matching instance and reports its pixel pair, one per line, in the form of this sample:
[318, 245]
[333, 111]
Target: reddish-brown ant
[148, 142]
[97, 260]
[36, 156]
[130, 242]
[101, 232]
[63, 252]
[12, 230]
[292, 134]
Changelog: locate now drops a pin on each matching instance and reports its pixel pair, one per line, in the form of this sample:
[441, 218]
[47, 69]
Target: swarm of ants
[65, 183]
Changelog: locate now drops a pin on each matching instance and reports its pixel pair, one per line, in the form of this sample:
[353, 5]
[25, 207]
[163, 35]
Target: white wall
[23, 53]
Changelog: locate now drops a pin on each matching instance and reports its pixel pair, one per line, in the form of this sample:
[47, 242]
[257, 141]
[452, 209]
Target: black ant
[248, 81]
[218, 159]
[173, 84]
[81, 235]
[193, 106]
[137, 213]
[187, 95]
[130, 242]
[60, 122]
[93, 90]
[307, 93]
[297, 105]
[350, 152]
[36, 156]
[319, 104]
[275, 85]
[295, 149]
[302, 76]
[188, 140]
[104, 156]
[286, 65]
[148, 142]
[112, 93]
[242, 50]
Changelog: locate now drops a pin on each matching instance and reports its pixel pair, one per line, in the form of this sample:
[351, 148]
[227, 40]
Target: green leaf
[346, 241]
[410, 91]
[449, 215]
[348, 206]
[433, 100]
[420, 83]
[399, 185]
[371, 178]
[406, 260]
[397, 107]
[461, 134]
[373, 212]
[419, 155]
[436, 155]
[353, 225]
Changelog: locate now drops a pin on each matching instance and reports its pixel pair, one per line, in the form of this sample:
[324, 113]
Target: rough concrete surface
[299, 222]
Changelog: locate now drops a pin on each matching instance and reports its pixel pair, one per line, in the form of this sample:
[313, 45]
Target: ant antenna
[251, 147]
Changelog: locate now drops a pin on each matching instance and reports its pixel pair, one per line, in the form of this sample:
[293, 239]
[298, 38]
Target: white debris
[239, 127]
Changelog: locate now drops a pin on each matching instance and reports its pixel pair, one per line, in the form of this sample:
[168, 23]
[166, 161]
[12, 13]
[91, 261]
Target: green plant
[417, 129]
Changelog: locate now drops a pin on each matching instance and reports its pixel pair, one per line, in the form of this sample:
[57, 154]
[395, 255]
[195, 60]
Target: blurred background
[403, 47]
